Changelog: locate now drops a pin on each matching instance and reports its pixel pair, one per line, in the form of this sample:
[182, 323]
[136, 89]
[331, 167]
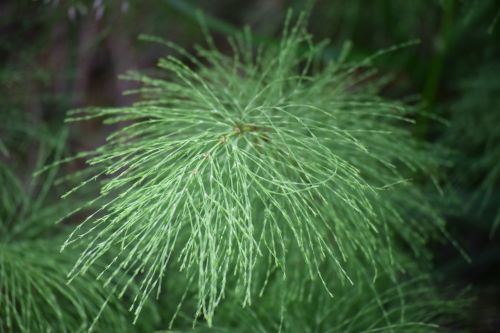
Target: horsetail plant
[406, 303]
[233, 163]
[34, 293]
[408, 306]
[477, 168]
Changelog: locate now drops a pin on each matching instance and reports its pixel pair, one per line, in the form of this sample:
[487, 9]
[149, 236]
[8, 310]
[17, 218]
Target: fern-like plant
[478, 166]
[234, 163]
[34, 293]
[406, 303]
[409, 306]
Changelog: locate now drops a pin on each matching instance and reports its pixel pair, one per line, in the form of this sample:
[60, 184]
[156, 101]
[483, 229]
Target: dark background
[60, 55]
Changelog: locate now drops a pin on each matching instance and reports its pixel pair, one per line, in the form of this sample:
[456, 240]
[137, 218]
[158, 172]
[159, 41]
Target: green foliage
[232, 164]
[35, 295]
[299, 304]
[410, 306]
[478, 165]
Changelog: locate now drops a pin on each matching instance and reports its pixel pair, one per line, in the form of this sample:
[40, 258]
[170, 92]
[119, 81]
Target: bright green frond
[232, 160]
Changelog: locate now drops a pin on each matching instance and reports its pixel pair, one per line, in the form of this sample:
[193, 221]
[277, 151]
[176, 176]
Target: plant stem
[436, 67]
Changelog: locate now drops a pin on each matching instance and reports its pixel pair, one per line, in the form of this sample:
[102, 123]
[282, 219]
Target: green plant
[409, 306]
[232, 164]
[35, 295]
[406, 303]
[477, 169]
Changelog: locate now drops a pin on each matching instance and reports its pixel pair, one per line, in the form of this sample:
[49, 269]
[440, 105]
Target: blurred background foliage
[56, 55]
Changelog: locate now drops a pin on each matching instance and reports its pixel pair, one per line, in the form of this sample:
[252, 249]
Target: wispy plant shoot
[230, 162]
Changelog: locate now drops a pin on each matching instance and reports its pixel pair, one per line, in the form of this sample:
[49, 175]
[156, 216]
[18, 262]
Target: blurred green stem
[190, 10]
[435, 69]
